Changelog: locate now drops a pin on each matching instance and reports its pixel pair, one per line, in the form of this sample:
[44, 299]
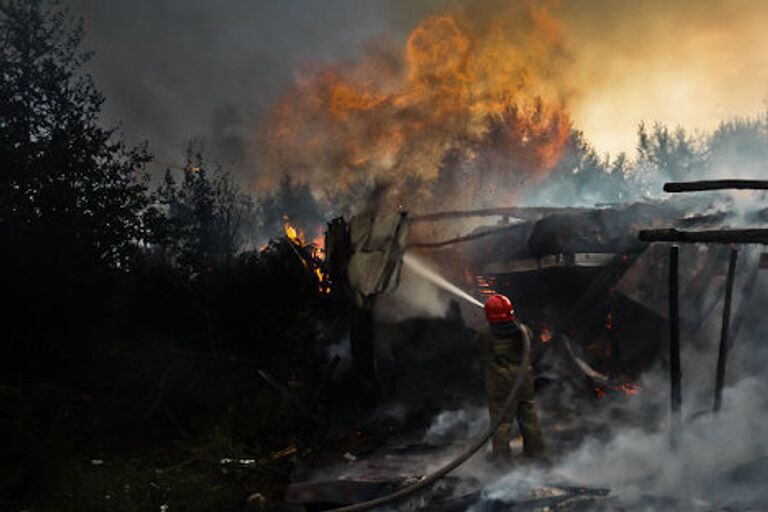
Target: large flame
[478, 87]
[311, 255]
[294, 234]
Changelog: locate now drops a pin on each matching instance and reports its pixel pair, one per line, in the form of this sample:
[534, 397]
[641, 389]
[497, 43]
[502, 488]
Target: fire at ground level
[605, 341]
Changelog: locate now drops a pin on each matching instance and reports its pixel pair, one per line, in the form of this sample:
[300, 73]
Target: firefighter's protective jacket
[502, 349]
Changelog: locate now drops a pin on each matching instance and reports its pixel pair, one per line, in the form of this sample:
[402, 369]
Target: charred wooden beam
[722, 355]
[461, 239]
[700, 186]
[597, 294]
[717, 236]
[702, 292]
[527, 213]
[748, 290]
[362, 335]
[675, 375]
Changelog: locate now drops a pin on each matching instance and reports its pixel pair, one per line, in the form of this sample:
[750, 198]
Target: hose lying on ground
[430, 479]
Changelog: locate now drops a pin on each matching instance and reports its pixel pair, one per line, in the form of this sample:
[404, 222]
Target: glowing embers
[625, 388]
[486, 285]
[545, 334]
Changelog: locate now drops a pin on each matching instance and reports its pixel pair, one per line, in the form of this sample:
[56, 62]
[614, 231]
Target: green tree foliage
[739, 147]
[291, 200]
[198, 222]
[584, 177]
[63, 177]
[672, 155]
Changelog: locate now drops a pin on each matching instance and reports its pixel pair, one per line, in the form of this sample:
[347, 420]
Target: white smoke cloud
[467, 422]
[415, 297]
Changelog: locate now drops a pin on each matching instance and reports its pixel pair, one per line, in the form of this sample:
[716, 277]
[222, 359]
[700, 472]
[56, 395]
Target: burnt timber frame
[675, 376]
[722, 236]
[722, 355]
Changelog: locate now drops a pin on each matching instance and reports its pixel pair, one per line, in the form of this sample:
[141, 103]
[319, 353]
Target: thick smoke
[717, 462]
[467, 101]
[713, 456]
[177, 70]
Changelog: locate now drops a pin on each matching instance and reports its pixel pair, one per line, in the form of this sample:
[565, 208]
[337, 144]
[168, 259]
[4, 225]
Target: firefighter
[502, 354]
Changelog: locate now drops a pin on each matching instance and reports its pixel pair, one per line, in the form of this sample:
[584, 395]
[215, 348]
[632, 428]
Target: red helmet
[499, 309]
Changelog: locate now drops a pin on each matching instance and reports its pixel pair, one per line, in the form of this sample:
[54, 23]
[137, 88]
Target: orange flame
[478, 86]
[295, 235]
[486, 285]
[629, 388]
[318, 244]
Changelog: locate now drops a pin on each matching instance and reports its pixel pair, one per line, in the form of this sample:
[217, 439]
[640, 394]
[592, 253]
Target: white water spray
[418, 266]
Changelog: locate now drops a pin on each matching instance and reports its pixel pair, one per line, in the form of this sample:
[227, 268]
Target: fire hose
[432, 478]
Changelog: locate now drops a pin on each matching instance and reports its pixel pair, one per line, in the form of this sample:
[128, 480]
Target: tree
[583, 177]
[673, 155]
[292, 200]
[65, 181]
[198, 222]
[739, 148]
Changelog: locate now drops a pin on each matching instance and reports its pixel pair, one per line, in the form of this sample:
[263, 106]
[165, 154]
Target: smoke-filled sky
[687, 62]
[176, 69]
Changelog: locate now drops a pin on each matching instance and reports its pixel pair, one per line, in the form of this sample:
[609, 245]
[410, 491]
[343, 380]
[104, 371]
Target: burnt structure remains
[606, 303]
[725, 236]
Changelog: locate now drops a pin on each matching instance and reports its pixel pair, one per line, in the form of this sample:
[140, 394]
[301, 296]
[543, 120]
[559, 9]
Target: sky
[688, 63]
[172, 70]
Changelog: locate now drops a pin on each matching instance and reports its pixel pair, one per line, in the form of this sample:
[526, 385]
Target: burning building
[467, 128]
[589, 282]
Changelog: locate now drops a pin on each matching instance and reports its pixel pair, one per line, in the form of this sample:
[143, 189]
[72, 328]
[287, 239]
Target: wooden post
[362, 348]
[676, 397]
[747, 291]
[722, 355]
